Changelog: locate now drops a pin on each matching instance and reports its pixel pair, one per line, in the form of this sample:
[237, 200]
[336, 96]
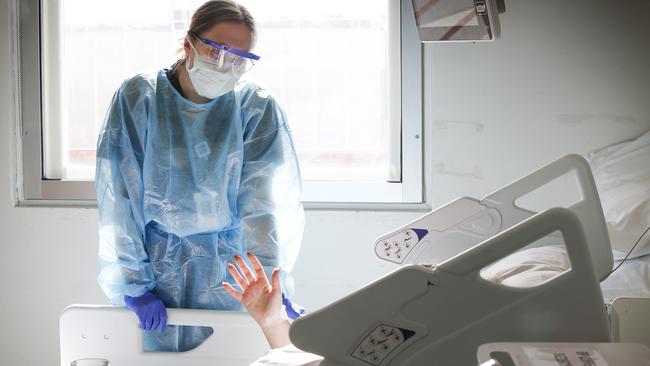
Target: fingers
[148, 321]
[259, 270]
[231, 290]
[163, 320]
[275, 279]
[241, 282]
[155, 321]
[250, 277]
[143, 321]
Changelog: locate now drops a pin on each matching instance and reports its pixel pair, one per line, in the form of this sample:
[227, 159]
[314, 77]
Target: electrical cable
[628, 254]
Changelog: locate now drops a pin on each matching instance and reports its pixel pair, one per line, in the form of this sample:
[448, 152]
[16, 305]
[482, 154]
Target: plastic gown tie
[183, 187]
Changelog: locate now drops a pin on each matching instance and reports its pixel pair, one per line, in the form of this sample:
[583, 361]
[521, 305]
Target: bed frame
[630, 319]
[109, 335]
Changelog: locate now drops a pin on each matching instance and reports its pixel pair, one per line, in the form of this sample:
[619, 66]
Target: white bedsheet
[288, 356]
[632, 279]
[536, 265]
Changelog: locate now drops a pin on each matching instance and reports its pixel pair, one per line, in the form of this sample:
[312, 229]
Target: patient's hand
[262, 300]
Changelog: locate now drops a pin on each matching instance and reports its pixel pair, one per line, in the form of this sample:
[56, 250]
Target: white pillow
[622, 174]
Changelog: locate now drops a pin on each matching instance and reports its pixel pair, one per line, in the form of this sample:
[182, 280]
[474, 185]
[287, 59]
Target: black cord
[628, 253]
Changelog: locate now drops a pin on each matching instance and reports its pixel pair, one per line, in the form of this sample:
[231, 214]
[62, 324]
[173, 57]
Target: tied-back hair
[214, 12]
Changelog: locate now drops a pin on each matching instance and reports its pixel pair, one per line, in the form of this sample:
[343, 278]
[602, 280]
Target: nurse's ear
[189, 53]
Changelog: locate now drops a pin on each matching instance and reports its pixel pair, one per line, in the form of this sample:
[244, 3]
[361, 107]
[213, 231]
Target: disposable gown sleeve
[271, 213]
[124, 265]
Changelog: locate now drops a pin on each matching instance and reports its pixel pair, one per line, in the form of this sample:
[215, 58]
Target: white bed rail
[90, 332]
[466, 221]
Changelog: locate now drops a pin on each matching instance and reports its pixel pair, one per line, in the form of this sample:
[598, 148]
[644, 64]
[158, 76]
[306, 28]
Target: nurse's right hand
[150, 310]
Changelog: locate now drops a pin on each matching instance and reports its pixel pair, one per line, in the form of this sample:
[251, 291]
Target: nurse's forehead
[235, 35]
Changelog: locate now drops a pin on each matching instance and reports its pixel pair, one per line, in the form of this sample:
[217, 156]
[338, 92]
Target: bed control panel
[380, 343]
[396, 247]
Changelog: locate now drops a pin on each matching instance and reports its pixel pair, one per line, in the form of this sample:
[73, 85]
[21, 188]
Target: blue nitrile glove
[150, 311]
[294, 311]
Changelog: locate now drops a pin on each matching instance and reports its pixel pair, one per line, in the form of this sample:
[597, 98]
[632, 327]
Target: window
[347, 73]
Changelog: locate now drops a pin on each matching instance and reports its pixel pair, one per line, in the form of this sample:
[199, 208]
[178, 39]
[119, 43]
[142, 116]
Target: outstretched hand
[263, 300]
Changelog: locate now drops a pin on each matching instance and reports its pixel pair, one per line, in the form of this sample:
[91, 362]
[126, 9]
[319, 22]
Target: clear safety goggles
[226, 57]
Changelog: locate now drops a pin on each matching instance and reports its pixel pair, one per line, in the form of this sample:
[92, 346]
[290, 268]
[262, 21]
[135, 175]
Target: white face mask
[208, 81]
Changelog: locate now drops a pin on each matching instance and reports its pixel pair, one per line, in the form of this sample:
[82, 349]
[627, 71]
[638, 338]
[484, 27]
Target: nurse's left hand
[263, 300]
[150, 310]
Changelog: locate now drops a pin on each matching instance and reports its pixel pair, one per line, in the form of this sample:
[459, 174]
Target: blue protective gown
[183, 187]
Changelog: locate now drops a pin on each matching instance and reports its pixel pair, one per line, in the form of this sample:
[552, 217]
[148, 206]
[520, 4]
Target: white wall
[567, 76]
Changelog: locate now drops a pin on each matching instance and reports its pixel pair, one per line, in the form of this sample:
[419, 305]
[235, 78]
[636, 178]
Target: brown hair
[214, 12]
[220, 11]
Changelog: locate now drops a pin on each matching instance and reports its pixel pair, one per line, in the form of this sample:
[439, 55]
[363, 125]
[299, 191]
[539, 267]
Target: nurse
[195, 168]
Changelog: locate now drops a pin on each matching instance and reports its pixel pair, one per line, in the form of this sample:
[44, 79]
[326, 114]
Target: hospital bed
[95, 335]
[419, 304]
[441, 306]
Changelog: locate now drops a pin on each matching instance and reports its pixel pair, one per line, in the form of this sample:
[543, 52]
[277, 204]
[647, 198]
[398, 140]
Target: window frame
[32, 189]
